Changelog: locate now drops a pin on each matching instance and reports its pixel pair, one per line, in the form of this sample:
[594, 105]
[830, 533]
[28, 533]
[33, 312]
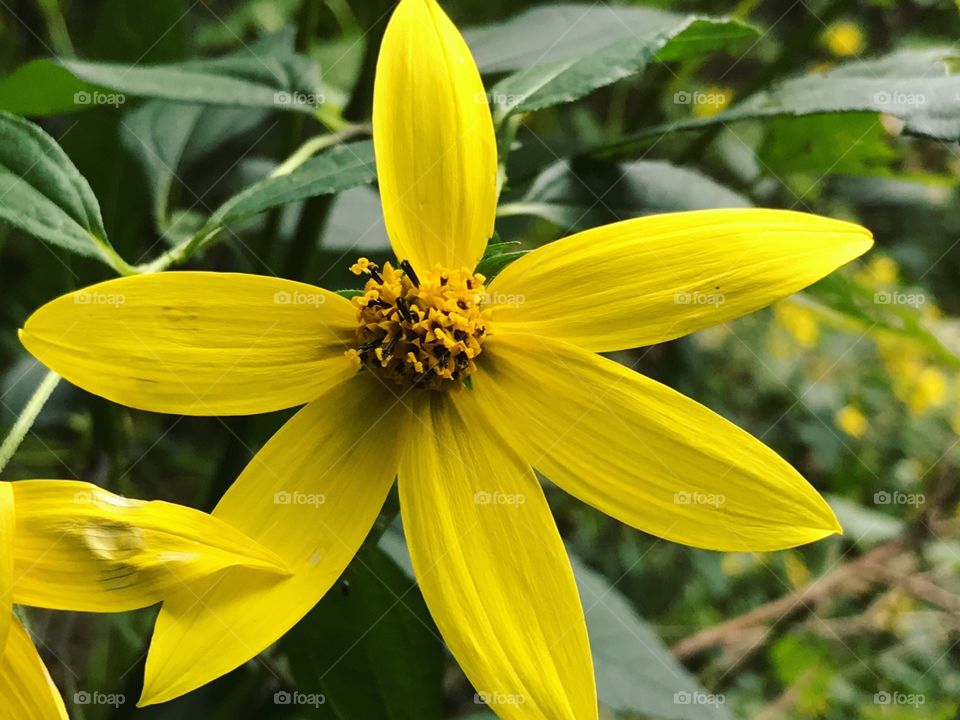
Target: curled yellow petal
[197, 343]
[435, 145]
[79, 547]
[653, 279]
[643, 453]
[26, 690]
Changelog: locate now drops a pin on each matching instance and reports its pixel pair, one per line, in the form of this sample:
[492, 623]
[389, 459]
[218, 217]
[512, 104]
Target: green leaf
[43, 194]
[810, 144]
[268, 75]
[864, 526]
[600, 45]
[370, 646]
[165, 137]
[582, 193]
[340, 168]
[635, 671]
[920, 87]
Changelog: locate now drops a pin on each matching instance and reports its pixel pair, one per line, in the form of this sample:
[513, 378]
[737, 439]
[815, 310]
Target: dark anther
[380, 303]
[444, 280]
[408, 269]
[481, 330]
[388, 348]
[375, 274]
[404, 310]
[459, 335]
[469, 284]
[463, 362]
[461, 304]
[372, 345]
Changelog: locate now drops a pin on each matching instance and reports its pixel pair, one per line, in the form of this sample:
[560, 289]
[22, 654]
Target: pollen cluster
[421, 332]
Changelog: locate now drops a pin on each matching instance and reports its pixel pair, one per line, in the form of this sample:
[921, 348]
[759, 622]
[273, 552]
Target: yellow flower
[851, 421]
[799, 321]
[384, 382]
[844, 39]
[73, 546]
[880, 271]
[711, 101]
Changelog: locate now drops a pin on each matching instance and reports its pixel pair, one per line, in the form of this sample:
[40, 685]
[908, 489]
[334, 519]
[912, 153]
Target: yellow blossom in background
[711, 101]
[844, 39]
[917, 383]
[880, 271]
[798, 574]
[853, 422]
[800, 322]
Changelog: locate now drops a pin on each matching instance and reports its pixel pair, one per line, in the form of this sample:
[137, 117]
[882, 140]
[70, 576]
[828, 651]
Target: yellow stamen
[421, 332]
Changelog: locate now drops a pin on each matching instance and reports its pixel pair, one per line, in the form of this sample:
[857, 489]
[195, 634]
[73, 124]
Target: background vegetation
[842, 108]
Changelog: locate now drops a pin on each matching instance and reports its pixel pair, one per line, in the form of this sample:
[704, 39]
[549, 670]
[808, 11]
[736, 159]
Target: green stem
[56, 28]
[29, 415]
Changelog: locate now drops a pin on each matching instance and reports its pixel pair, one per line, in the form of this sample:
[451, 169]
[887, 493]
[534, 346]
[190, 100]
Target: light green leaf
[43, 194]
[564, 52]
[582, 193]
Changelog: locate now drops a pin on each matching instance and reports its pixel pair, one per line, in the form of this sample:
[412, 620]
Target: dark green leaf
[370, 646]
[43, 194]
[582, 193]
[600, 45]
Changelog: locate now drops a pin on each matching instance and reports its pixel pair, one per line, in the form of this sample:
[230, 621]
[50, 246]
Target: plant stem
[26, 419]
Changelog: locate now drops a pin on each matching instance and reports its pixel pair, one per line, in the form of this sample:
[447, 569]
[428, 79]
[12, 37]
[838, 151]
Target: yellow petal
[197, 343]
[643, 453]
[26, 690]
[7, 529]
[312, 495]
[434, 140]
[492, 567]
[79, 547]
[656, 278]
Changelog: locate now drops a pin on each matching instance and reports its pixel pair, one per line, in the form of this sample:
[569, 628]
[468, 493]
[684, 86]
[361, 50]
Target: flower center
[419, 332]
